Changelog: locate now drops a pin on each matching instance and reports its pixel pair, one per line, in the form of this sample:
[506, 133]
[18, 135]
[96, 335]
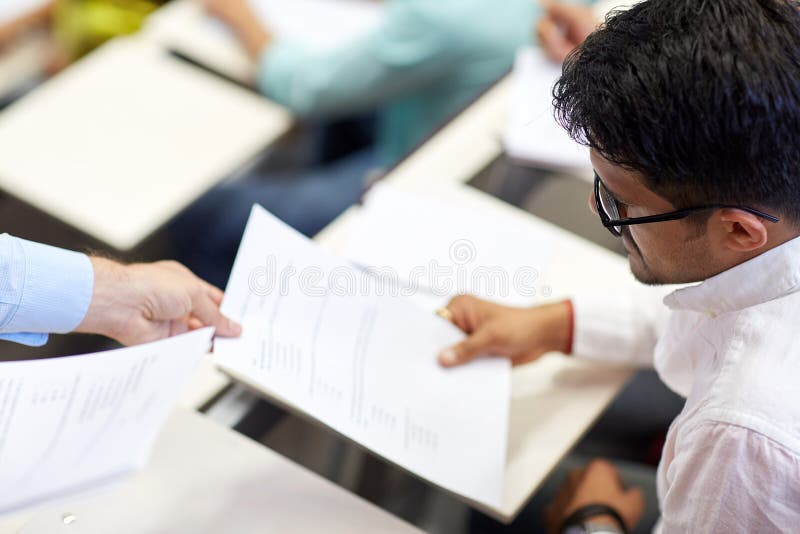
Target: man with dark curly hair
[691, 110]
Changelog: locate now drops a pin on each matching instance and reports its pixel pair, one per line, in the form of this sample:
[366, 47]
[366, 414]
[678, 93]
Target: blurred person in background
[425, 62]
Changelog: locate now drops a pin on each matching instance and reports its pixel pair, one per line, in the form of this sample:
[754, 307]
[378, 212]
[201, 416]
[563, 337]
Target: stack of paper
[71, 424]
[532, 134]
[320, 24]
[329, 341]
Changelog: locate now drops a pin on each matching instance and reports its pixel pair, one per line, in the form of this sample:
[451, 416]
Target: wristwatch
[580, 521]
[593, 528]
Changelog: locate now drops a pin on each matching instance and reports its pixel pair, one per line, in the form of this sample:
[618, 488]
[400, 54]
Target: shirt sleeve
[621, 328]
[729, 478]
[408, 51]
[42, 289]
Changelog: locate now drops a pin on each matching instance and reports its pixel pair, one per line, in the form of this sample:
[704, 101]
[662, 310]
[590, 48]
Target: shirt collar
[766, 277]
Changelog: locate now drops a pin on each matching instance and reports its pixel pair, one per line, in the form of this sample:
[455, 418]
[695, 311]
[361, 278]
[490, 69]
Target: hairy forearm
[111, 303]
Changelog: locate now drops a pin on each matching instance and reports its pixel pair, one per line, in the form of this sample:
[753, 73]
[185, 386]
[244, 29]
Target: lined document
[532, 134]
[333, 342]
[71, 424]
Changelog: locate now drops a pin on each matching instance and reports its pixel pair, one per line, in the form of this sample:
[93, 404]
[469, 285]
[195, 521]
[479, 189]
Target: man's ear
[742, 231]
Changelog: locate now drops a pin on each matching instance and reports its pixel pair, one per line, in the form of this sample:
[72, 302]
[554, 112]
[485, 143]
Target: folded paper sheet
[332, 342]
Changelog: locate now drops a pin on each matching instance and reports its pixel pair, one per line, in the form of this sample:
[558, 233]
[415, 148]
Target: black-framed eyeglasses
[608, 209]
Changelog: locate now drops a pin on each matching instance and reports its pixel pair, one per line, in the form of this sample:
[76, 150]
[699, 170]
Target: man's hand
[149, 301]
[523, 334]
[563, 27]
[598, 483]
[238, 15]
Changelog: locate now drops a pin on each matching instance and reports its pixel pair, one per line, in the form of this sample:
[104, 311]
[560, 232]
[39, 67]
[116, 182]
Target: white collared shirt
[731, 346]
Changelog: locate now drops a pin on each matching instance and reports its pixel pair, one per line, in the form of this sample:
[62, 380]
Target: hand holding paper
[149, 301]
[331, 341]
[522, 334]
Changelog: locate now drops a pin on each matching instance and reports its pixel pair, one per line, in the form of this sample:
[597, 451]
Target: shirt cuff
[56, 292]
[32, 340]
[602, 329]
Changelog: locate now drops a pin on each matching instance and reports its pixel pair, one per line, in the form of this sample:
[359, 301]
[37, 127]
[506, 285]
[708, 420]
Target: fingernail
[448, 357]
[445, 314]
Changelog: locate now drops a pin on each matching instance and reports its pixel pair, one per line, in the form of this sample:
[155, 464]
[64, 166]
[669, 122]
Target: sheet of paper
[11, 10]
[318, 24]
[532, 134]
[446, 249]
[70, 424]
[331, 342]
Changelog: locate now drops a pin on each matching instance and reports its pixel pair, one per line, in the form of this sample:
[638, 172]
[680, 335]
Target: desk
[556, 400]
[122, 141]
[182, 25]
[204, 478]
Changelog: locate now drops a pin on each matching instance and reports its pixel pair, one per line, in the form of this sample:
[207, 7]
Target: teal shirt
[429, 58]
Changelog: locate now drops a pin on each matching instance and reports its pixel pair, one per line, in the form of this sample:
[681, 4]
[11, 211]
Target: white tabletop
[204, 478]
[126, 138]
[557, 399]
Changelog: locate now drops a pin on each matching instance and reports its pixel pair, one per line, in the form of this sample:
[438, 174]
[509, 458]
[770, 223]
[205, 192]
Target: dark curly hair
[702, 97]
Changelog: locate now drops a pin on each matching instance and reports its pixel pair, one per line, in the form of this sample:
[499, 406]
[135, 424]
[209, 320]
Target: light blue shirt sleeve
[425, 61]
[413, 46]
[43, 289]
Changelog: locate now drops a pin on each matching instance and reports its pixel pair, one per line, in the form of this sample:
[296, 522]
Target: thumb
[475, 345]
[226, 327]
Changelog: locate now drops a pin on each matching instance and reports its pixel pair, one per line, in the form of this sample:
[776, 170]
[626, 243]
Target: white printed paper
[70, 424]
[532, 134]
[329, 341]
